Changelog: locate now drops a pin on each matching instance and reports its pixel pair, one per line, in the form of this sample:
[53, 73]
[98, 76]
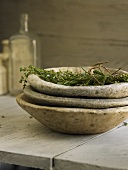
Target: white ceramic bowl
[118, 90]
[74, 120]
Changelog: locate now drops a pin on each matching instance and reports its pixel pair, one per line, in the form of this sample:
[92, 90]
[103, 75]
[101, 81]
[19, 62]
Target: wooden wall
[73, 32]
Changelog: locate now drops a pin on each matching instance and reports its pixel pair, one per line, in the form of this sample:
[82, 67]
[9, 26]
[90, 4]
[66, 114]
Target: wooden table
[26, 142]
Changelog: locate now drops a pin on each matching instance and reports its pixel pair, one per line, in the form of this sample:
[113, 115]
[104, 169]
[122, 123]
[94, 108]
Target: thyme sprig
[125, 123]
[97, 75]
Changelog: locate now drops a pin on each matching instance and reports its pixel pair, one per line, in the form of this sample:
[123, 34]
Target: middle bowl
[48, 100]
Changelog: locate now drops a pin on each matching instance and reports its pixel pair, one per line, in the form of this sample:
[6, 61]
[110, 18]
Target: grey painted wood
[26, 142]
[73, 32]
[108, 152]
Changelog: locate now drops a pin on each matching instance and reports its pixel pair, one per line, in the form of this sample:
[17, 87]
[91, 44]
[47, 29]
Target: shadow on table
[4, 166]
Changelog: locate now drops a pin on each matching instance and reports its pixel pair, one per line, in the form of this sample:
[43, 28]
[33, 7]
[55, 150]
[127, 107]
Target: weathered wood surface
[26, 142]
[108, 152]
[73, 32]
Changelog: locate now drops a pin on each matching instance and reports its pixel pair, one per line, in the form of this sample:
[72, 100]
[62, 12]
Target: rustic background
[73, 32]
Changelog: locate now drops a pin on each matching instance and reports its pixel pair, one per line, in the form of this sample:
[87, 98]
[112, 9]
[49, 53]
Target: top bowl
[117, 90]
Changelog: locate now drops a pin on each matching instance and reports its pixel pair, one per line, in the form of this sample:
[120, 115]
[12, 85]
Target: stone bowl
[48, 100]
[74, 120]
[117, 90]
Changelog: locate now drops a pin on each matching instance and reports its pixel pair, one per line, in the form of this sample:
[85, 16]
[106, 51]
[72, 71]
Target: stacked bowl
[75, 109]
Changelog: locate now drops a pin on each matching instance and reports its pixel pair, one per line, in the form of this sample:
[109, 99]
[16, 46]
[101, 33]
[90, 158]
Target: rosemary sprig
[97, 75]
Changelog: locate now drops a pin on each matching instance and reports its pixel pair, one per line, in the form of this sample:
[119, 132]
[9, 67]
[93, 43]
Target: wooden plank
[98, 19]
[84, 32]
[108, 152]
[54, 17]
[73, 32]
[76, 52]
[26, 142]
[77, 18]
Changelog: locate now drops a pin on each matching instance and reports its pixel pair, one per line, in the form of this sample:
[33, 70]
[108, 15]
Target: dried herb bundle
[97, 75]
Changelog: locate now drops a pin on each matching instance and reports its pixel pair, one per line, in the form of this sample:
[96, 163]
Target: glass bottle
[23, 52]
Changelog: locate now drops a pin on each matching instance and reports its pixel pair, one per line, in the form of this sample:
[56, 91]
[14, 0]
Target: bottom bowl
[74, 120]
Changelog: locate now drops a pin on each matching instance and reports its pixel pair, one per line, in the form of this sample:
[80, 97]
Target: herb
[97, 75]
[125, 123]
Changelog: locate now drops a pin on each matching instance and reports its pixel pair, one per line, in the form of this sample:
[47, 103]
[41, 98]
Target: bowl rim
[92, 91]
[22, 102]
